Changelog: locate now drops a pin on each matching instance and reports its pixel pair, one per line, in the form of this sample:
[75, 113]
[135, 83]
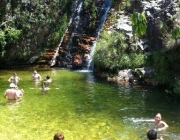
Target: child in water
[45, 83]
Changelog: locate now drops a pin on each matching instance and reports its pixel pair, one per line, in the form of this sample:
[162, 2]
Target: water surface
[83, 108]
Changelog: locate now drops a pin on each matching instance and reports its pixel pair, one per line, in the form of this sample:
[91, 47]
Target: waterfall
[76, 7]
[75, 18]
[103, 11]
[78, 27]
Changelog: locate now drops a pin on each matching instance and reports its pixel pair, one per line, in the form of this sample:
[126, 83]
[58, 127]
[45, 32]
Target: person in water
[159, 125]
[58, 136]
[19, 92]
[48, 80]
[45, 83]
[36, 76]
[11, 93]
[152, 135]
[14, 78]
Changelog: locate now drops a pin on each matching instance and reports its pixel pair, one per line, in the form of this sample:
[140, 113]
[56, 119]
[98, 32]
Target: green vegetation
[166, 65]
[27, 28]
[176, 33]
[138, 23]
[113, 53]
[91, 10]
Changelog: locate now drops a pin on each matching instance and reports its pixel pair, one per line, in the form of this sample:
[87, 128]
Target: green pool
[83, 108]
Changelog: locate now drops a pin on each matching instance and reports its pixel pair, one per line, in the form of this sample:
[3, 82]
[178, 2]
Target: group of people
[36, 77]
[151, 134]
[160, 125]
[13, 92]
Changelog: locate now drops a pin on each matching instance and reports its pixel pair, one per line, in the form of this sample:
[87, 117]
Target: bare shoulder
[164, 123]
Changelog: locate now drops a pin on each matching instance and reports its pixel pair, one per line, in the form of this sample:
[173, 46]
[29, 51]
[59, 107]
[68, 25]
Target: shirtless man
[36, 76]
[14, 79]
[11, 93]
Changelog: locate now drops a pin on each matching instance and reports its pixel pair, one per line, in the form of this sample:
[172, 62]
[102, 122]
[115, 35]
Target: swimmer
[11, 93]
[58, 136]
[152, 135]
[159, 125]
[44, 88]
[14, 79]
[19, 92]
[48, 80]
[45, 83]
[36, 76]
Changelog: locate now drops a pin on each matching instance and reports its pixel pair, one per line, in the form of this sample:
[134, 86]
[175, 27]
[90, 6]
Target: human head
[35, 71]
[14, 74]
[152, 134]
[16, 87]
[47, 76]
[58, 136]
[12, 85]
[158, 117]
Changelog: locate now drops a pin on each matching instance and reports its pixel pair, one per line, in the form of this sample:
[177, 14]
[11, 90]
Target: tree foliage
[176, 33]
[28, 27]
[113, 53]
[138, 23]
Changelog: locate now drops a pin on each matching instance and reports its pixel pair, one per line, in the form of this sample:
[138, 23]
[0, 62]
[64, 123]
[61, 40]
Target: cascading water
[75, 18]
[79, 28]
[103, 11]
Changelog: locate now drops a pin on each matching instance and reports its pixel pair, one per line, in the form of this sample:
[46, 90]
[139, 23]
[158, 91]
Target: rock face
[75, 51]
[158, 14]
[156, 11]
[82, 35]
[136, 76]
[125, 75]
